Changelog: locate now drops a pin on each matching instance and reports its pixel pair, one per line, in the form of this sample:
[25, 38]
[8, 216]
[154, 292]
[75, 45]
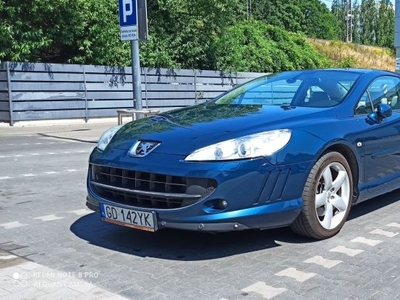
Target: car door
[381, 141]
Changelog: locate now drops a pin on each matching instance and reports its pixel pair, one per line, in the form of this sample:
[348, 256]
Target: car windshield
[312, 88]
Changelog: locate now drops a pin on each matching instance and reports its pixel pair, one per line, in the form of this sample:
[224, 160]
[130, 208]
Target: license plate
[129, 217]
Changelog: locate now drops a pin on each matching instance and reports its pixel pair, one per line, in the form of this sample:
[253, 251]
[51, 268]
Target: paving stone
[174, 264]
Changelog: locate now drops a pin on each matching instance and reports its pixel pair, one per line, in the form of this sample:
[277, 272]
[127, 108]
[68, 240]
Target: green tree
[368, 15]
[339, 13]
[318, 21]
[183, 30]
[84, 31]
[258, 47]
[310, 17]
[385, 24]
[182, 33]
[356, 23]
[28, 29]
[284, 14]
[98, 40]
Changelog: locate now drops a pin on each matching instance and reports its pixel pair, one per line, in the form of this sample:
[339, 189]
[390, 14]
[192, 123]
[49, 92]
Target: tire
[327, 198]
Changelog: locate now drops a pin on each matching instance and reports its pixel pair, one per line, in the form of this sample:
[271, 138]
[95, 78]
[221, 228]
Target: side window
[385, 90]
[393, 96]
[364, 105]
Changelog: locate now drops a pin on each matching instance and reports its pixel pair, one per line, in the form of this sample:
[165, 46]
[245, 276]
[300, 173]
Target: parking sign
[128, 20]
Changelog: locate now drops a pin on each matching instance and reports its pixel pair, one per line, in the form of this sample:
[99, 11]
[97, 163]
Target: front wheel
[327, 197]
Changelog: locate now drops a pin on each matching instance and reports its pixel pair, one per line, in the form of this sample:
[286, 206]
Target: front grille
[150, 190]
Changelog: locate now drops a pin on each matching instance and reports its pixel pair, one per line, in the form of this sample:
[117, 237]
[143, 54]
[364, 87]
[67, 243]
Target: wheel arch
[320, 218]
[349, 155]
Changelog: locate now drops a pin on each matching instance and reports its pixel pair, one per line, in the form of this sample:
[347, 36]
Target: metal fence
[42, 91]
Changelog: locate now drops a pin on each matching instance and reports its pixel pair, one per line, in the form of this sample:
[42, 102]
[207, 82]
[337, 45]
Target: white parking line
[347, 251]
[319, 260]
[363, 240]
[264, 290]
[388, 234]
[296, 274]
[48, 218]
[8, 257]
[10, 225]
[397, 225]
[44, 173]
[45, 153]
[35, 143]
[80, 212]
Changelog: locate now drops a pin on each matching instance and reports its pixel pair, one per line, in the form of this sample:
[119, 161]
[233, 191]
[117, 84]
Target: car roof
[354, 70]
[359, 71]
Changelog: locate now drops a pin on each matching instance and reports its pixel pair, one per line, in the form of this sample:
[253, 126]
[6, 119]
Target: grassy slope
[358, 56]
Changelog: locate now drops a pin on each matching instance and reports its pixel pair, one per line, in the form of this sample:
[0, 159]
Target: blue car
[296, 149]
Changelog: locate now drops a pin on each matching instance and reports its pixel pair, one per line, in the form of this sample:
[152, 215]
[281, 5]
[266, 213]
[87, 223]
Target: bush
[257, 47]
[348, 62]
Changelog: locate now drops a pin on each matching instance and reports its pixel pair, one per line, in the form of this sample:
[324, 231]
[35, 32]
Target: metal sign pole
[136, 80]
[397, 34]
[129, 19]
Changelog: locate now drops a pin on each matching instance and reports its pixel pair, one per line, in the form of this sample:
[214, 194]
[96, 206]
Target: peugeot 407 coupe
[297, 149]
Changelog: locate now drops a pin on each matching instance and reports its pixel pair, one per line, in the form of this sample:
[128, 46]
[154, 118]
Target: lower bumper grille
[150, 190]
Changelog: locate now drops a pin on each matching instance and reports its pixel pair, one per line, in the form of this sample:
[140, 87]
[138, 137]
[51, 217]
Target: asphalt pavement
[52, 247]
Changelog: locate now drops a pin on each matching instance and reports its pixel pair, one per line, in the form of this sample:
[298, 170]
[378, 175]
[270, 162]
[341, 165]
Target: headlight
[106, 137]
[250, 146]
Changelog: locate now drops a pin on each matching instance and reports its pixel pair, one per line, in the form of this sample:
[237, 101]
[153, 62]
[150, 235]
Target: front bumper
[258, 194]
[269, 216]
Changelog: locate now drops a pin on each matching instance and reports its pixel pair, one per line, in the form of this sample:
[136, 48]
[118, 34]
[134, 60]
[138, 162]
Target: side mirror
[382, 111]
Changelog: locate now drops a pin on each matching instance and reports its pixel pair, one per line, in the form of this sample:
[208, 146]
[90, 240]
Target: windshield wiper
[286, 106]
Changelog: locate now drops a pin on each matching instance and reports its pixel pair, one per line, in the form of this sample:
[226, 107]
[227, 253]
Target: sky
[327, 2]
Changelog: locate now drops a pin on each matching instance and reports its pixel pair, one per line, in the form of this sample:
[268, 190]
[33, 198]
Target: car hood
[182, 131]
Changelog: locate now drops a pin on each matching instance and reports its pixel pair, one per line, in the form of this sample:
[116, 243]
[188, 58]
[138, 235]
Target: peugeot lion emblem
[142, 148]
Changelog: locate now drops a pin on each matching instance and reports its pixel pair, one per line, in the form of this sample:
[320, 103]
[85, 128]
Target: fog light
[223, 204]
[215, 206]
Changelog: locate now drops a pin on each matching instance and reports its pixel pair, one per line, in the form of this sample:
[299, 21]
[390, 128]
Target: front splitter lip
[272, 215]
[208, 227]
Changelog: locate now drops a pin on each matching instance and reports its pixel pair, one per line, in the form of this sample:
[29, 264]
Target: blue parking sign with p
[128, 19]
[127, 12]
